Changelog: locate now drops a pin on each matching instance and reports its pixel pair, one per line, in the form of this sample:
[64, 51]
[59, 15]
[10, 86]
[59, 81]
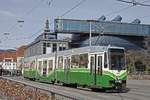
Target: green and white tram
[92, 66]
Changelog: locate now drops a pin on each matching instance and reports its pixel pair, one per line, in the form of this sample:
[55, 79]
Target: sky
[35, 12]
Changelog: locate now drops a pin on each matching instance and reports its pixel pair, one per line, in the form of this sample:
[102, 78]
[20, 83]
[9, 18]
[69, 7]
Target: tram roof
[87, 49]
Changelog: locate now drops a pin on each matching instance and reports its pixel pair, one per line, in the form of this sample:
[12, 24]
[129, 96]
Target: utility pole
[90, 34]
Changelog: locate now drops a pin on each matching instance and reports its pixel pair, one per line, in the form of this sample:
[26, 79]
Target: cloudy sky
[34, 13]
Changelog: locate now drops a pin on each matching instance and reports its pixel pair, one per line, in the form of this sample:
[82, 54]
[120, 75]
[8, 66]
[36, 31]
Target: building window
[48, 45]
[44, 44]
[45, 36]
[44, 50]
[62, 47]
[54, 47]
[51, 36]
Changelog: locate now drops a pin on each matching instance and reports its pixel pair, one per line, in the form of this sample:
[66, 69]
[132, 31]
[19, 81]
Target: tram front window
[117, 59]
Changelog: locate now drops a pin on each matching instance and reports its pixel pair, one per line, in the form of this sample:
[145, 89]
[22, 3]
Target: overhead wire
[114, 13]
[32, 9]
[142, 17]
[27, 13]
[77, 5]
[120, 10]
[68, 11]
[65, 13]
[125, 8]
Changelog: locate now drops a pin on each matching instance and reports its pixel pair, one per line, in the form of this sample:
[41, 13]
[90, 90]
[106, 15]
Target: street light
[90, 34]
[6, 33]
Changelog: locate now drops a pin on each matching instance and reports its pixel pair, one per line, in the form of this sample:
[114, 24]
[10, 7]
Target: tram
[92, 66]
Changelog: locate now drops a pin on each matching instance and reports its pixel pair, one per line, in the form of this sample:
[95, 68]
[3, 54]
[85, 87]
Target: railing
[139, 75]
[34, 91]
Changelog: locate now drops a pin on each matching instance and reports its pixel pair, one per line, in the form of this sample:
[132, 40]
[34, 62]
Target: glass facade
[110, 40]
[118, 28]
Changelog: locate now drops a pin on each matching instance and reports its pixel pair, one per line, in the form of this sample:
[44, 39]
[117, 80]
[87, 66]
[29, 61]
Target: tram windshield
[117, 59]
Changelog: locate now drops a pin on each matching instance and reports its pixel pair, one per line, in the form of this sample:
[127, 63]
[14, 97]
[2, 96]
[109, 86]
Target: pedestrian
[1, 70]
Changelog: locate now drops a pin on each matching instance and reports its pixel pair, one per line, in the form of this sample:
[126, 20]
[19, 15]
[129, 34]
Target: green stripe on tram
[111, 74]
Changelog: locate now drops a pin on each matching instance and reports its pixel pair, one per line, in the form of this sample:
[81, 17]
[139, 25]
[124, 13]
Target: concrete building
[45, 43]
[103, 32]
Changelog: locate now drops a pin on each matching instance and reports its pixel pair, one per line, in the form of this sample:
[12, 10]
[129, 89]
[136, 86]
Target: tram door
[67, 63]
[95, 66]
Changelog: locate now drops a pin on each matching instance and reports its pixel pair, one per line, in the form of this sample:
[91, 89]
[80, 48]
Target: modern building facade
[114, 32]
[45, 43]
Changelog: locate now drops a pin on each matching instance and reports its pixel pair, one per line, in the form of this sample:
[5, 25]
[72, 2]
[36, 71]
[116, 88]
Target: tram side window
[68, 62]
[75, 60]
[39, 65]
[92, 64]
[44, 67]
[25, 65]
[99, 61]
[22, 65]
[32, 64]
[83, 60]
[50, 66]
[60, 62]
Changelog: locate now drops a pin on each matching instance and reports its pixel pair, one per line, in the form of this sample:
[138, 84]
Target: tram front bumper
[117, 84]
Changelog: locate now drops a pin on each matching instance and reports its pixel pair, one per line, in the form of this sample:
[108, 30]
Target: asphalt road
[136, 90]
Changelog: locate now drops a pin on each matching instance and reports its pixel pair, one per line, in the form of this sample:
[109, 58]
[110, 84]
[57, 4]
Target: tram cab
[109, 68]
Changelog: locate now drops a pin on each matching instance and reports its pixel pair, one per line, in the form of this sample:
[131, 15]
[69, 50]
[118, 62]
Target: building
[9, 58]
[45, 43]
[20, 52]
[114, 32]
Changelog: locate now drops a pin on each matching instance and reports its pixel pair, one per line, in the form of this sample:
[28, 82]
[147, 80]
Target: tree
[134, 59]
[147, 51]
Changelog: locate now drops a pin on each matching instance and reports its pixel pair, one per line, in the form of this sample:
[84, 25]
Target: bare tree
[147, 52]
